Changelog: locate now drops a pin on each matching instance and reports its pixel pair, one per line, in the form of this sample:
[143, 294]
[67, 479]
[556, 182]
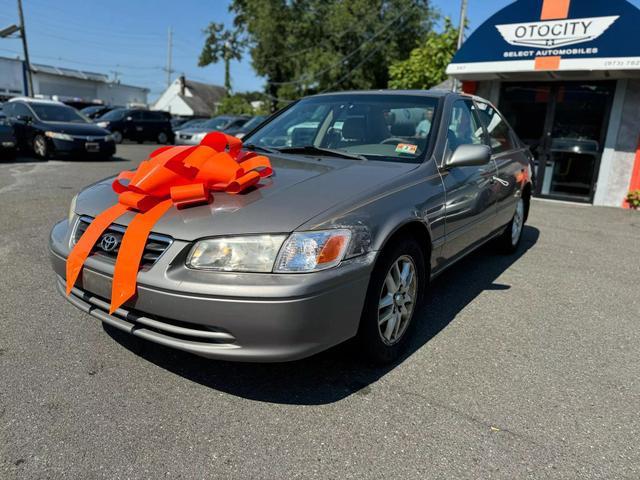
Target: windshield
[192, 123]
[91, 110]
[215, 123]
[377, 126]
[253, 123]
[58, 113]
[116, 114]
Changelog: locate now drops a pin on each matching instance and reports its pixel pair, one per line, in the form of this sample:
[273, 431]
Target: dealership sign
[552, 34]
[531, 35]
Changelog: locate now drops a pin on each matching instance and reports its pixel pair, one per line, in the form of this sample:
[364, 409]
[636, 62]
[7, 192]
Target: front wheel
[393, 297]
[40, 147]
[117, 136]
[509, 241]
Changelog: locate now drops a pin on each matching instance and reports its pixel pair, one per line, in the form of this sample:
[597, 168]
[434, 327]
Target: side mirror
[469, 155]
[23, 118]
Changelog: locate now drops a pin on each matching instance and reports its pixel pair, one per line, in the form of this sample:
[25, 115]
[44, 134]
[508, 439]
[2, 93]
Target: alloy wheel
[40, 146]
[517, 223]
[397, 300]
[162, 137]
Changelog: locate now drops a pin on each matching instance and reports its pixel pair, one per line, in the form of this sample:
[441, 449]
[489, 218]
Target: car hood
[300, 189]
[75, 128]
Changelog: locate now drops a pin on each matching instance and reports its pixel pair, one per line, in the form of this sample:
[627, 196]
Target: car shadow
[337, 373]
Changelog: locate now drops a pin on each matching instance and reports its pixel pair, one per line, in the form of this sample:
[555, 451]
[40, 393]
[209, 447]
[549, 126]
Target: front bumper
[229, 316]
[82, 147]
[187, 139]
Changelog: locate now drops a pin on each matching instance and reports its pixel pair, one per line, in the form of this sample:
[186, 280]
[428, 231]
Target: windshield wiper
[260, 148]
[312, 149]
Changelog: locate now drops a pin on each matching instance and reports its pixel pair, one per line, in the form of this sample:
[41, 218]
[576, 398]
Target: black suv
[137, 125]
[48, 128]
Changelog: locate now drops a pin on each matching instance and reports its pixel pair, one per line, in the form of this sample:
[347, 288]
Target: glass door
[564, 124]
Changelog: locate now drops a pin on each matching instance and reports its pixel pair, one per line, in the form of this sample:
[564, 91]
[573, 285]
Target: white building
[64, 83]
[189, 98]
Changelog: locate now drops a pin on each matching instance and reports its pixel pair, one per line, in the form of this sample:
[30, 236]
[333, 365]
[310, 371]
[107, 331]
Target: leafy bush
[633, 199]
[234, 105]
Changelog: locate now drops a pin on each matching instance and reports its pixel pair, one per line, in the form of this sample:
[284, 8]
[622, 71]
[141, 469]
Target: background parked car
[137, 125]
[196, 122]
[178, 122]
[7, 138]
[247, 127]
[47, 127]
[96, 111]
[222, 123]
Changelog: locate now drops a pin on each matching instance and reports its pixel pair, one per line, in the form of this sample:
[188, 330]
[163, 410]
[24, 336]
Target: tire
[40, 147]
[163, 138]
[381, 337]
[117, 136]
[509, 241]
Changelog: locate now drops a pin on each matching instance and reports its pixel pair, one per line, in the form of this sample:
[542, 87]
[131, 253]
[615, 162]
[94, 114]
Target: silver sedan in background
[193, 134]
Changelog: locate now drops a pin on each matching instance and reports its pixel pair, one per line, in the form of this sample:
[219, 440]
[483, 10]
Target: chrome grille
[155, 247]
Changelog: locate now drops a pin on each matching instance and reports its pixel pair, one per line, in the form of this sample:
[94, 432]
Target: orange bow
[180, 176]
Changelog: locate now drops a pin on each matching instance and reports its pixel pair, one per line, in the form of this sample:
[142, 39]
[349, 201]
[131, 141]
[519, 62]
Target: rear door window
[500, 136]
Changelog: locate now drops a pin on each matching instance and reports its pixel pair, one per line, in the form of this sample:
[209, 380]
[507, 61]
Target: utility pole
[169, 48]
[463, 21]
[227, 59]
[116, 75]
[23, 35]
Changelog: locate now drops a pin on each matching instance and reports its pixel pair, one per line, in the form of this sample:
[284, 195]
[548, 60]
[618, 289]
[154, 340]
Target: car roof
[41, 101]
[422, 93]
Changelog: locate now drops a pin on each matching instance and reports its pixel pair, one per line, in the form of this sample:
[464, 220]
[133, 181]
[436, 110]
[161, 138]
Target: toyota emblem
[109, 242]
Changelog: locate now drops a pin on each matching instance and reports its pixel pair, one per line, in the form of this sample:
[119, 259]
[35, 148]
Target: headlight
[255, 253]
[108, 138]
[313, 251]
[199, 136]
[72, 208]
[59, 136]
[103, 124]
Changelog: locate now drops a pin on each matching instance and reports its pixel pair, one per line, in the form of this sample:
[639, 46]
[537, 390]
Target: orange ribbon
[180, 176]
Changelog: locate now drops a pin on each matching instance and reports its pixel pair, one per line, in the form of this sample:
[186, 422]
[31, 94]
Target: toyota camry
[344, 207]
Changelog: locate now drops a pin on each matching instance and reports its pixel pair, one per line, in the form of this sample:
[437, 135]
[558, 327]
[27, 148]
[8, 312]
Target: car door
[470, 193]
[21, 118]
[510, 158]
[152, 125]
[135, 125]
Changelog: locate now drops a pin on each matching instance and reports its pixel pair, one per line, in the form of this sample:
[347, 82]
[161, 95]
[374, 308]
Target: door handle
[502, 182]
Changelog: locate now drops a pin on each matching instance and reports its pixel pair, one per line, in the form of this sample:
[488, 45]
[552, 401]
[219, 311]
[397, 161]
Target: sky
[127, 39]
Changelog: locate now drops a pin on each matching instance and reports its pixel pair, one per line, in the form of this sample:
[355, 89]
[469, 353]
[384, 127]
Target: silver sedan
[373, 195]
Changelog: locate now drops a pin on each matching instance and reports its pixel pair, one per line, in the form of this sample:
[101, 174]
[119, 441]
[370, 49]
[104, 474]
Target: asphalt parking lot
[525, 366]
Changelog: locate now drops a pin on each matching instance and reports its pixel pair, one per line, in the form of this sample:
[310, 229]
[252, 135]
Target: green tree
[308, 46]
[221, 44]
[234, 105]
[426, 65]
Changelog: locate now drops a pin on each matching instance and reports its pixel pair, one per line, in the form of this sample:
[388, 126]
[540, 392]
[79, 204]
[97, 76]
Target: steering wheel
[395, 140]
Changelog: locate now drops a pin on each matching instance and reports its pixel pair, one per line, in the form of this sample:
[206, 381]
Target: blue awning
[552, 36]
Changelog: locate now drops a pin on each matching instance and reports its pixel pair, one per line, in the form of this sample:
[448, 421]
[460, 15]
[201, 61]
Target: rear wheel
[392, 300]
[40, 147]
[162, 138]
